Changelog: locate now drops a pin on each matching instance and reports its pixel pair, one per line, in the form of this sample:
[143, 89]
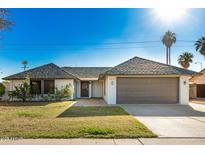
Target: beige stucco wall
[105, 88]
[199, 79]
[192, 91]
[184, 90]
[78, 85]
[15, 83]
[110, 87]
[61, 83]
[97, 89]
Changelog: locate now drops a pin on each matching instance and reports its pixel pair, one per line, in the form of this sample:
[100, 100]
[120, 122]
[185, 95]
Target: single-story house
[197, 85]
[134, 81]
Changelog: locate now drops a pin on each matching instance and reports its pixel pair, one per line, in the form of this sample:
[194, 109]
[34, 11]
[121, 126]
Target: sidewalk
[83, 141]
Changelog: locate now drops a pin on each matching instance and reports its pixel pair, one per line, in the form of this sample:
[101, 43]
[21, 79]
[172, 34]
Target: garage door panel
[147, 90]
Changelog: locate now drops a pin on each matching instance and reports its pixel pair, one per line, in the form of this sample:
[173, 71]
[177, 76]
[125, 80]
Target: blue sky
[93, 37]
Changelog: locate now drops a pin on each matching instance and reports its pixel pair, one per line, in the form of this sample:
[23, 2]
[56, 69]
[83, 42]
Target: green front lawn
[59, 120]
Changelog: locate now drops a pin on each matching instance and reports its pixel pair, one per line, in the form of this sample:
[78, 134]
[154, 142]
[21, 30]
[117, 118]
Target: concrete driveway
[171, 120]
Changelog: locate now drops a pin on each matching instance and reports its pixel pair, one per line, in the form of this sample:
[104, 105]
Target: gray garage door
[147, 90]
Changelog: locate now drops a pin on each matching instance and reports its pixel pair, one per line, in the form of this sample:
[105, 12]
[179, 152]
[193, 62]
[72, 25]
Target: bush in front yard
[35, 89]
[2, 89]
[22, 92]
[67, 91]
[63, 93]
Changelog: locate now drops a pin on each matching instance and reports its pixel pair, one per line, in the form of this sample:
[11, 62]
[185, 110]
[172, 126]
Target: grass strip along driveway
[60, 120]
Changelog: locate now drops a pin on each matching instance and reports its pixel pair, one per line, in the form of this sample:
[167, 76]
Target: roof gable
[195, 77]
[86, 72]
[48, 71]
[140, 66]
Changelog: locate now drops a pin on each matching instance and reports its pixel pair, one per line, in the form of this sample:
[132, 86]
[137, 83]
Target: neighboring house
[197, 85]
[135, 81]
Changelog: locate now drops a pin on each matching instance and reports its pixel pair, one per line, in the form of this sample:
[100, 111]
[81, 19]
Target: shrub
[45, 98]
[58, 94]
[67, 91]
[35, 89]
[63, 93]
[26, 92]
[22, 92]
[2, 89]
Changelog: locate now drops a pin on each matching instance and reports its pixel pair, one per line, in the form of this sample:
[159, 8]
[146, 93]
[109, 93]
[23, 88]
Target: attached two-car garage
[147, 90]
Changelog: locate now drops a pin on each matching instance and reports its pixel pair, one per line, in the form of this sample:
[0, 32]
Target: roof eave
[182, 74]
[36, 78]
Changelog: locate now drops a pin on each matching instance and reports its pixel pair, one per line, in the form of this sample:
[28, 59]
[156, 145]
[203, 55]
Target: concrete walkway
[198, 101]
[83, 141]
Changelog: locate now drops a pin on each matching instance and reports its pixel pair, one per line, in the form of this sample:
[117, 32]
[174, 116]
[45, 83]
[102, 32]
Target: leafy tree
[5, 23]
[168, 39]
[22, 92]
[185, 59]
[200, 46]
[2, 89]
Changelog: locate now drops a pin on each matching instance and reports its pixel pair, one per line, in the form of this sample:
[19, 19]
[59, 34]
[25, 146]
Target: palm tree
[185, 59]
[168, 39]
[200, 45]
[25, 63]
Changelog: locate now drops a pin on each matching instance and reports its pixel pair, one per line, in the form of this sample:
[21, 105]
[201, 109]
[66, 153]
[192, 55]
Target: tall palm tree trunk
[169, 55]
[167, 52]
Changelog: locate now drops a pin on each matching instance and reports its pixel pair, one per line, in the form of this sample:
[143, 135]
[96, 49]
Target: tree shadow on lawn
[89, 111]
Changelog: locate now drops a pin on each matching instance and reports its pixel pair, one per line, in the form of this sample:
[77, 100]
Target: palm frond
[200, 45]
[169, 38]
[185, 59]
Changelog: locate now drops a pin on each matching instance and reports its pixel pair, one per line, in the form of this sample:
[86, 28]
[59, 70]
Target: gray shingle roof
[86, 72]
[140, 66]
[48, 71]
[134, 66]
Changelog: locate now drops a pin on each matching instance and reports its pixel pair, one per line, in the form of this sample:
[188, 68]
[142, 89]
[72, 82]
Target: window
[48, 86]
[35, 87]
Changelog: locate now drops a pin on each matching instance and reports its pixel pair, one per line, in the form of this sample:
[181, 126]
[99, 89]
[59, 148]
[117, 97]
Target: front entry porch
[89, 89]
